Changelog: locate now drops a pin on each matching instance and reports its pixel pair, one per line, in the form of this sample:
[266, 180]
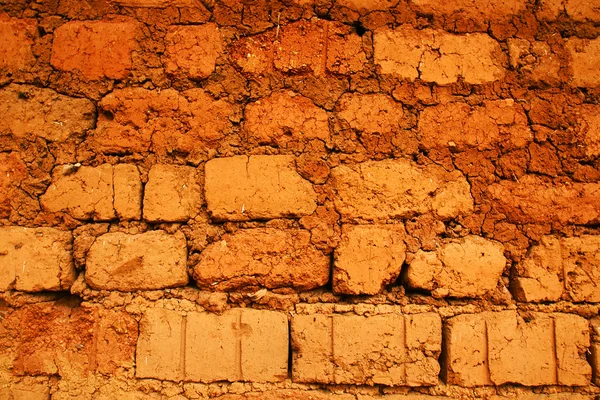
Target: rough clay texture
[299, 199]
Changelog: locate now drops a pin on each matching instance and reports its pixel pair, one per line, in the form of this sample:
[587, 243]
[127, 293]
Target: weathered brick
[578, 10]
[26, 390]
[588, 132]
[16, 40]
[154, 3]
[458, 126]
[315, 47]
[535, 200]
[373, 113]
[595, 361]
[171, 194]
[138, 120]
[545, 396]
[389, 349]
[12, 173]
[437, 56]
[287, 394]
[494, 9]
[409, 396]
[35, 259]
[497, 348]
[585, 58]
[257, 187]
[534, 59]
[192, 50]
[239, 345]
[262, 257]
[99, 193]
[367, 5]
[28, 110]
[368, 258]
[146, 261]
[399, 189]
[465, 267]
[560, 268]
[283, 117]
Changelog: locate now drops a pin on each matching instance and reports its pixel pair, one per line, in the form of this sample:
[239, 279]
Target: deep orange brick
[16, 39]
[96, 49]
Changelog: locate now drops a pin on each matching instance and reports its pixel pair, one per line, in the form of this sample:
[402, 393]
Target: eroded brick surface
[490, 9]
[262, 257]
[173, 193]
[465, 267]
[368, 258]
[96, 49]
[535, 59]
[256, 187]
[35, 259]
[399, 189]
[437, 56]
[16, 39]
[499, 347]
[578, 10]
[239, 345]
[126, 262]
[584, 61]
[389, 349]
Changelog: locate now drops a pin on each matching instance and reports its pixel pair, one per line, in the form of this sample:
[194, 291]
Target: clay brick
[588, 118]
[465, 267]
[16, 39]
[239, 345]
[154, 3]
[287, 394]
[96, 49]
[595, 361]
[373, 113]
[545, 396]
[458, 126]
[497, 348]
[283, 117]
[535, 200]
[262, 257]
[437, 56]
[560, 268]
[99, 193]
[410, 396]
[26, 391]
[585, 57]
[368, 5]
[257, 187]
[389, 349]
[28, 110]
[139, 120]
[368, 258]
[494, 9]
[35, 259]
[146, 261]
[534, 59]
[171, 194]
[12, 173]
[399, 189]
[192, 50]
[578, 10]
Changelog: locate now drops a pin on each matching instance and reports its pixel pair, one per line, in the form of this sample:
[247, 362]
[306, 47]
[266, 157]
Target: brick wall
[299, 199]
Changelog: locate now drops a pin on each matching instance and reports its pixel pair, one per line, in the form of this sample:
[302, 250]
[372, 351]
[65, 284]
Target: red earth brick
[17, 37]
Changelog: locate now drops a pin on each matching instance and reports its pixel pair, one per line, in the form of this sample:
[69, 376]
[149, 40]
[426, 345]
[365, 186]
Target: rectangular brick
[467, 267]
[399, 189]
[26, 390]
[36, 259]
[239, 345]
[459, 126]
[390, 349]
[172, 194]
[438, 56]
[493, 348]
[595, 361]
[243, 188]
[146, 261]
[560, 268]
[534, 60]
[99, 193]
[585, 58]
[262, 257]
[16, 40]
[96, 49]
[31, 111]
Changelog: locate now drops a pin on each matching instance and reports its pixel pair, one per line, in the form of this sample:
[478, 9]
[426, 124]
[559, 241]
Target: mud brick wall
[299, 199]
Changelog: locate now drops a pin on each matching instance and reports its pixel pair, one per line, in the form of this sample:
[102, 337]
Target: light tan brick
[26, 390]
[437, 56]
[262, 257]
[96, 49]
[16, 41]
[172, 194]
[28, 110]
[288, 394]
[560, 268]
[465, 267]
[239, 345]
[35, 259]
[90, 192]
[283, 117]
[458, 126]
[493, 9]
[146, 261]
[399, 189]
[373, 113]
[585, 58]
[536, 60]
[368, 258]
[498, 347]
[257, 187]
[192, 50]
[389, 349]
